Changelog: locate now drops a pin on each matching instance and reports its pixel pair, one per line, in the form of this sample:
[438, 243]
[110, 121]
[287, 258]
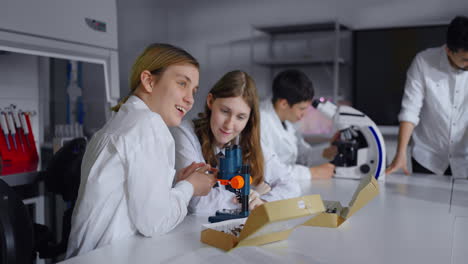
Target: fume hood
[39, 40]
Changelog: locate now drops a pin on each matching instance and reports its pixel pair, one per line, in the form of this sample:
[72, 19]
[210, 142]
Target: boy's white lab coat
[126, 181]
[290, 147]
[188, 150]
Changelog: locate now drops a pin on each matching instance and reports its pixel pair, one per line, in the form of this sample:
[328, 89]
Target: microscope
[361, 148]
[235, 176]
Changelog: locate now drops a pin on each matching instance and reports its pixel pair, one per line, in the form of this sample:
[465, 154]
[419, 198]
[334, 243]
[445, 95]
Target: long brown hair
[155, 58]
[234, 84]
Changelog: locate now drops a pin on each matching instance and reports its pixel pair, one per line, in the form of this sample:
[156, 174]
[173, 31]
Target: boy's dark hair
[457, 34]
[292, 85]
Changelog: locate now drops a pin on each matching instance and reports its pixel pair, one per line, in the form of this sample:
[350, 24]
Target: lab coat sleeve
[154, 206]
[188, 150]
[295, 171]
[217, 199]
[413, 95]
[185, 148]
[300, 172]
[277, 175]
[309, 155]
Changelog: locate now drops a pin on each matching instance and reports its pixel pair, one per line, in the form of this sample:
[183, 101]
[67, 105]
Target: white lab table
[414, 219]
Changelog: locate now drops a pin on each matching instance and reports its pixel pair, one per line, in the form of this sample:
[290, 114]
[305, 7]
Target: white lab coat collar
[136, 102]
[287, 134]
[216, 150]
[271, 128]
[445, 64]
[269, 107]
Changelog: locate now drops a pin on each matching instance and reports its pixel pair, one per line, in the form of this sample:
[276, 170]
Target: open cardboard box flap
[336, 214]
[267, 223]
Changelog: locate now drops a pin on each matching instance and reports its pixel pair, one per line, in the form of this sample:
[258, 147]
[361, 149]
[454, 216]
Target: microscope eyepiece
[315, 103]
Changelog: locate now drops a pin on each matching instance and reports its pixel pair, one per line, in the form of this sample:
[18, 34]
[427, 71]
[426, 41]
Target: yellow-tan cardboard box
[335, 214]
[267, 223]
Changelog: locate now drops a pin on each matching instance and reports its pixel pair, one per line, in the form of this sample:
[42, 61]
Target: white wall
[140, 23]
[217, 32]
[21, 87]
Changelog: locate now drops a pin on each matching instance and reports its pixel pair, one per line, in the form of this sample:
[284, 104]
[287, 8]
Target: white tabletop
[414, 219]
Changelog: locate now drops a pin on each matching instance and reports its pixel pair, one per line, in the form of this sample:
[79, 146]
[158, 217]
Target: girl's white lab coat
[188, 149]
[290, 147]
[126, 181]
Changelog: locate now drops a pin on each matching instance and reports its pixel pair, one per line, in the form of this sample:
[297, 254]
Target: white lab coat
[126, 181]
[288, 144]
[188, 149]
[436, 101]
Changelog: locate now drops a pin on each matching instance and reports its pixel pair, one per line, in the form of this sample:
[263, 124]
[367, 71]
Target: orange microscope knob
[237, 182]
[224, 182]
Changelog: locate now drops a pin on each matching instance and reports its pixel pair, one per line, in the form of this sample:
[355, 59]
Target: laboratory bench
[23, 178]
[414, 219]
[32, 192]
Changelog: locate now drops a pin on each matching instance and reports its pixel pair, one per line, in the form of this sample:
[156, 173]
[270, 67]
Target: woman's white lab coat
[188, 149]
[290, 147]
[126, 181]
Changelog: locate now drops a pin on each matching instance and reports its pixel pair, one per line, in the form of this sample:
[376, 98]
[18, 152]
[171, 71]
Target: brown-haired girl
[231, 111]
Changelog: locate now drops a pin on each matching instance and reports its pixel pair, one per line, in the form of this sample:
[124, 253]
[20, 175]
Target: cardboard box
[335, 214]
[267, 223]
